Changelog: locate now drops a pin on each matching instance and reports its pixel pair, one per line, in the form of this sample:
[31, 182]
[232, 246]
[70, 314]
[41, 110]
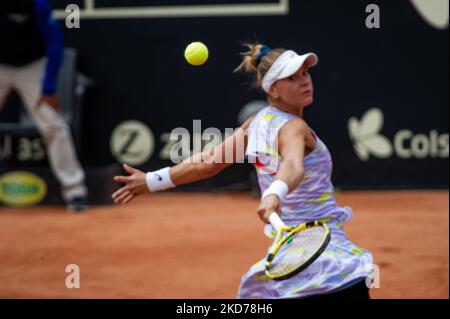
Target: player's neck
[297, 111]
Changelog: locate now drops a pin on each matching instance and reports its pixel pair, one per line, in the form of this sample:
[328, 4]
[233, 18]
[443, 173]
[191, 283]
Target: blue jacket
[29, 32]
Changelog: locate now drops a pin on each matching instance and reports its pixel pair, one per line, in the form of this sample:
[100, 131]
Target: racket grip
[276, 221]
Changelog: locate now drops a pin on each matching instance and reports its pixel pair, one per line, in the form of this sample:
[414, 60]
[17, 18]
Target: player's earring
[274, 95]
[273, 92]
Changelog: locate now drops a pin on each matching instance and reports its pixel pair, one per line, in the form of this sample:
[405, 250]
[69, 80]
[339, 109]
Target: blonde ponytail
[258, 60]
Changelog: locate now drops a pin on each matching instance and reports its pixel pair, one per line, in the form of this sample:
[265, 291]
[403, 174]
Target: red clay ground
[198, 246]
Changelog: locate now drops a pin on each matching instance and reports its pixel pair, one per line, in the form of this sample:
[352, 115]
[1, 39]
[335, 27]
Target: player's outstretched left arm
[197, 167]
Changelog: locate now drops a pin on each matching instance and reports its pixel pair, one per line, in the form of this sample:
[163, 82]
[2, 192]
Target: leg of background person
[55, 131]
[5, 83]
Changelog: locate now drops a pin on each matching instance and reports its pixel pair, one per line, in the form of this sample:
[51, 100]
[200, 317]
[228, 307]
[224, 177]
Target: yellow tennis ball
[196, 53]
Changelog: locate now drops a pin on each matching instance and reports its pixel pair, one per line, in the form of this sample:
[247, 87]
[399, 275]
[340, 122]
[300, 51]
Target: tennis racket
[295, 247]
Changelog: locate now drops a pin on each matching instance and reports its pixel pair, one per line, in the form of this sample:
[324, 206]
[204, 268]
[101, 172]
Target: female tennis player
[294, 170]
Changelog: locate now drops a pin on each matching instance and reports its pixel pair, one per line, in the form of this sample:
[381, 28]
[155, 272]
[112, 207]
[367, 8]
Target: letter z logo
[366, 137]
[132, 142]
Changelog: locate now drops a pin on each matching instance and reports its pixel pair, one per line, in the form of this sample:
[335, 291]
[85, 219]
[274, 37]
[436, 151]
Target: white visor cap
[286, 65]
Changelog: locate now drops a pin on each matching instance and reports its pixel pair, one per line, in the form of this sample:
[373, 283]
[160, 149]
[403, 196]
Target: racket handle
[276, 221]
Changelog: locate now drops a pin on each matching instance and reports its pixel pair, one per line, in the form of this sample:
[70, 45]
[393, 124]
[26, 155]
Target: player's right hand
[135, 185]
[269, 204]
[50, 100]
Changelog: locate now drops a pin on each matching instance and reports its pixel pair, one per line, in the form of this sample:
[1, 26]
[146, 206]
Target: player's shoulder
[295, 125]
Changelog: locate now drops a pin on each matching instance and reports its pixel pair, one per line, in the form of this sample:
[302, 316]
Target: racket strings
[297, 250]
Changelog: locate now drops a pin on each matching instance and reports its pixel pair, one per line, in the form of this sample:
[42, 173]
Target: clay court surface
[181, 245]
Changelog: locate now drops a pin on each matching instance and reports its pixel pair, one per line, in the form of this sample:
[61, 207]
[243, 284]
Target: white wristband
[278, 188]
[159, 180]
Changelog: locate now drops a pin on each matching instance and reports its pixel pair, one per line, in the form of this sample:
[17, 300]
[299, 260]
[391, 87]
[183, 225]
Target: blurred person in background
[31, 54]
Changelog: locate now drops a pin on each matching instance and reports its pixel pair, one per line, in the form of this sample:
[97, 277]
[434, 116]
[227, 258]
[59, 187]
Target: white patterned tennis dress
[342, 264]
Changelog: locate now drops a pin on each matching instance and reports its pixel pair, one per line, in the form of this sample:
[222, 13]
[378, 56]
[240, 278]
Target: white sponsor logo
[5, 147]
[434, 12]
[366, 135]
[368, 140]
